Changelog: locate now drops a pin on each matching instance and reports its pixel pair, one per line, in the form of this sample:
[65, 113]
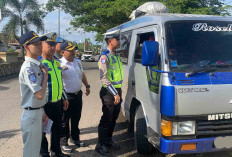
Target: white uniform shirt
[71, 75]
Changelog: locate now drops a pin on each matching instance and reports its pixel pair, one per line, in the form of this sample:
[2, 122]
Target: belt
[30, 108]
[73, 93]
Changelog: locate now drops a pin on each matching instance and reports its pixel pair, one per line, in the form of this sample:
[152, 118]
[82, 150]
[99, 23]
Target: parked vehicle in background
[88, 56]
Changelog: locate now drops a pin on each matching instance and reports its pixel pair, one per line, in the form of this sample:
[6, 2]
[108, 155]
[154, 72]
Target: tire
[142, 144]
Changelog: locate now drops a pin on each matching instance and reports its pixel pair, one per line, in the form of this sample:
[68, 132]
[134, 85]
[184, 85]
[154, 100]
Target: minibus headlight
[183, 128]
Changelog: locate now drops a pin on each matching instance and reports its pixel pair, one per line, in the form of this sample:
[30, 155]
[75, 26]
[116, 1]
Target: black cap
[30, 37]
[111, 36]
[67, 46]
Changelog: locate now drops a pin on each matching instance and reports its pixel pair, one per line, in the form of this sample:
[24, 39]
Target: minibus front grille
[213, 128]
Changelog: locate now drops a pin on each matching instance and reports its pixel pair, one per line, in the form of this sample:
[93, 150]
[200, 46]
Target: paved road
[10, 112]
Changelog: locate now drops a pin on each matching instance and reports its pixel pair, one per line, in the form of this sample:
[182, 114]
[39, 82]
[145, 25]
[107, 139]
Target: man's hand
[45, 119]
[116, 99]
[87, 91]
[65, 105]
[45, 71]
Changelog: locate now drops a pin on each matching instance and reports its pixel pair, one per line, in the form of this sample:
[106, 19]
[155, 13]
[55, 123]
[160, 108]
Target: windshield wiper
[207, 69]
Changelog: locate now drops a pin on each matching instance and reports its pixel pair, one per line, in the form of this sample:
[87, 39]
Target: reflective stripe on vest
[55, 86]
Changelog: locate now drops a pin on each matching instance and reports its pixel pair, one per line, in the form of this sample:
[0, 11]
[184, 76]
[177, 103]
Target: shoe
[110, 143]
[45, 155]
[67, 149]
[101, 149]
[60, 155]
[78, 143]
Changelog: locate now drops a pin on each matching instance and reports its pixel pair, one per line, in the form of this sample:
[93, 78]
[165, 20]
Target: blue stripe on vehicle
[201, 78]
[167, 101]
[174, 146]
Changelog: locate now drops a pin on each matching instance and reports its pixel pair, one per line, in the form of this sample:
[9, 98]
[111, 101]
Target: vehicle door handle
[133, 82]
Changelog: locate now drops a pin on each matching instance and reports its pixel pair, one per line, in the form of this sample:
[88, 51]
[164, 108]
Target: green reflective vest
[115, 71]
[55, 86]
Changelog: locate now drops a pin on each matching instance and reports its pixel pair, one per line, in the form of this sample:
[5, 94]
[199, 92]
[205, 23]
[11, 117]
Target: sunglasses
[51, 43]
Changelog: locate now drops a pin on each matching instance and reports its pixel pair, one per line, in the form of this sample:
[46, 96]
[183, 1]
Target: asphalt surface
[10, 135]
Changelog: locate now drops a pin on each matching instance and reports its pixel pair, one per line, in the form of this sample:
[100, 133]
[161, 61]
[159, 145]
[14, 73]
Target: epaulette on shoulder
[106, 52]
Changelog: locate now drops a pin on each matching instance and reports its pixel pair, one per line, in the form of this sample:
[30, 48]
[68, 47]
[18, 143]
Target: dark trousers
[110, 110]
[54, 112]
[73, 113]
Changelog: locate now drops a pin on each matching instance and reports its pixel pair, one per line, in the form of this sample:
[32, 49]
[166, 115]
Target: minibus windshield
[193, 45]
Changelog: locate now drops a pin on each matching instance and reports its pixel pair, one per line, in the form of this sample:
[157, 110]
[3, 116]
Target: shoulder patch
[103, 60]
[32, 78]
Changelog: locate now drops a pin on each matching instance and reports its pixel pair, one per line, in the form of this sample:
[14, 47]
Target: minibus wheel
[142, 144]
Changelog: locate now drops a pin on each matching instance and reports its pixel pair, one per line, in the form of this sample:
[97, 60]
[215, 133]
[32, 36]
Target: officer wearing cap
[111, 75]
[33, 83]
[73, 76]
[58, 54]
[56, 96]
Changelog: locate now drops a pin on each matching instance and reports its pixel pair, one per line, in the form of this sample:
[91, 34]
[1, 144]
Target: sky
[51, 25]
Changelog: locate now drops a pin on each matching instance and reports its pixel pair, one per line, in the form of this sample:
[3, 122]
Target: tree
[206, 7]
[101, 15]
[22, 14]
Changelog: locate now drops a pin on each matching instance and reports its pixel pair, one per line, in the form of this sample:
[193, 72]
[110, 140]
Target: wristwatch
[88, 86]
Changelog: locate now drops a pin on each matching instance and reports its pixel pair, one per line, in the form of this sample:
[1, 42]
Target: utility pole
[59, 21]
[0, 15]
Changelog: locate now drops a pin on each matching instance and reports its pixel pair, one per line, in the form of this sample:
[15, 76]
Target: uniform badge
[58, 64]
[103, 60]
[32, 78]
[64, 67]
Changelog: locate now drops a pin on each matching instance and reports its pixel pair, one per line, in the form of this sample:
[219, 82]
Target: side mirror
[150, 54]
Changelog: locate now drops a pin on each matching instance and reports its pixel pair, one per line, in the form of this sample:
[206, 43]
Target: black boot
[110, 143]
[100, 148]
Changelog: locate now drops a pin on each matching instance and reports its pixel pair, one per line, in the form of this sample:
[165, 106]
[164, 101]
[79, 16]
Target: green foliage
[206, 7]
[10, 49]
[101, 15]
[22, 14]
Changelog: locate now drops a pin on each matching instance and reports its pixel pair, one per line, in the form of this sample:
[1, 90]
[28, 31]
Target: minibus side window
[153, 78]
[139, 45]
[123, 51]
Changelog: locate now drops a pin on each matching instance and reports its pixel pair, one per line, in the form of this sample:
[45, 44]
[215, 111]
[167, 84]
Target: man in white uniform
[33, 83]
[72, 76]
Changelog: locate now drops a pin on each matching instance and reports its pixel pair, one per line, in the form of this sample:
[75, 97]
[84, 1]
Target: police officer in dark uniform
[111, 75]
